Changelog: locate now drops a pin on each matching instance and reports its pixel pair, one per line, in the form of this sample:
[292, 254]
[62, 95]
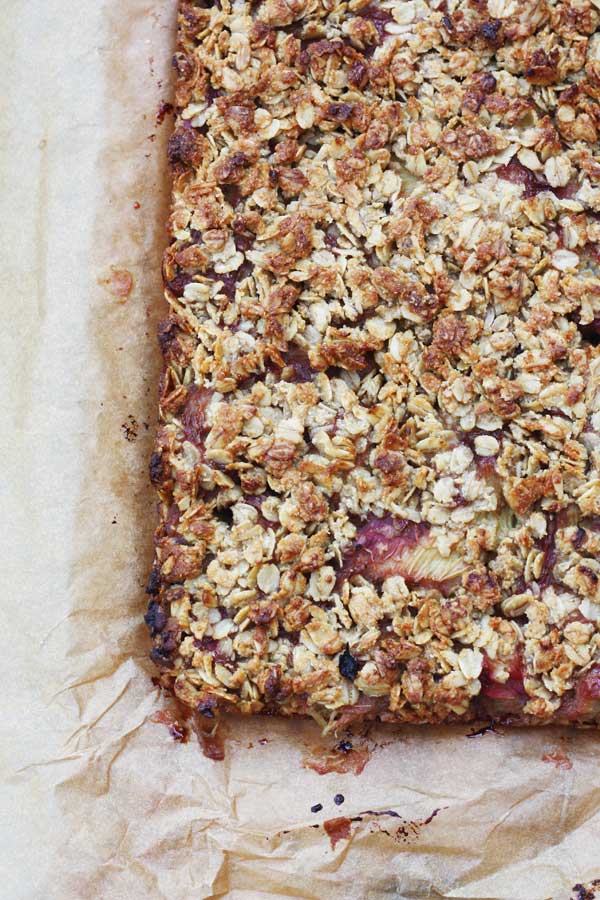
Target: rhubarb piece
[500, 695]
[583, 703]
[390, 546]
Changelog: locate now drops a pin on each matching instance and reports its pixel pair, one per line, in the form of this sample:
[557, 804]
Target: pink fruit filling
[381, 547]
[548, 545]
[584, 702]
[193, 419]
[378, 16]
[503, 698]
[257, 501]
[512, 689]
[297, 367]
[230, 279]
[533, 184]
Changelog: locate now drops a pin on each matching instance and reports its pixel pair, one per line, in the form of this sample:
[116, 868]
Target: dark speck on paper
[130, 429]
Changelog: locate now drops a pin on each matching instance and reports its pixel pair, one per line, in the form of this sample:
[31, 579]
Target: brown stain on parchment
[338, 829]
[178, 730]
[164, 109]
[383, 821]
[210, 734]
[119, 282]
[392, 824]
[325, 761]
[559, 759]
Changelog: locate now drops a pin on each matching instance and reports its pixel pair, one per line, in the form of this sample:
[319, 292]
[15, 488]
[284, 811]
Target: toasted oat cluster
[378, 458]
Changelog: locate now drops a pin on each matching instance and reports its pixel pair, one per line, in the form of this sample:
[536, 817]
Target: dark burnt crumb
[344, 746]
[185, 147]
[156, 468]
[206, 709]
[325, 761]
[431, 817]
[153, 585]
[316, 808]
[210, 735]
[114, 521]
[486, 729]
[263, 741]
[165, 109]
[348, 665]
[489, 30]
[161, 658]
[130, 429]
[382, 812]
[588, 891]
[338, 799]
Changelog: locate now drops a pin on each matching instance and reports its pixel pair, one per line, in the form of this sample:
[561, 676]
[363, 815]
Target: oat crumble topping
[379, 458]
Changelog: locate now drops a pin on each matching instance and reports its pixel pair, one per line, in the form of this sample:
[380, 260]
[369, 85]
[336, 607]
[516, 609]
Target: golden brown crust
[378, 455]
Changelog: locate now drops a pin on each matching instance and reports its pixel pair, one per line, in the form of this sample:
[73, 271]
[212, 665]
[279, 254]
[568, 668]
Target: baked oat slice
[378, 455]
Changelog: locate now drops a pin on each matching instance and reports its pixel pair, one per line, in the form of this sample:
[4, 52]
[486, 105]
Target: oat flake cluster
[378, 455]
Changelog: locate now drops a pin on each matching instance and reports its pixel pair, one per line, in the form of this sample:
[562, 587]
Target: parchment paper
[98, 800]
